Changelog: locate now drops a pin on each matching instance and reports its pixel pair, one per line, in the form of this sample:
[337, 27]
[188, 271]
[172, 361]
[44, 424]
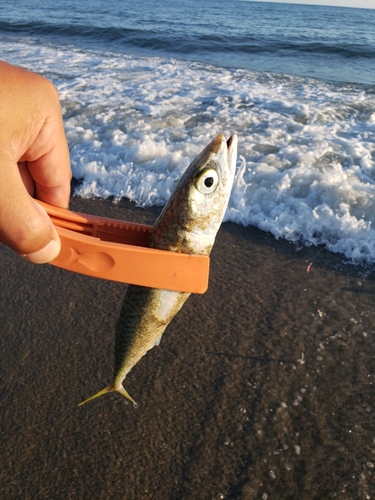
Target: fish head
[196, 208]
[211, 181]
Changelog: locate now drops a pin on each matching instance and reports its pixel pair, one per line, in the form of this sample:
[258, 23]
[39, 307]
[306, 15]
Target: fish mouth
[232, 141]
[218, 143]
[232, 151]
[222, 152]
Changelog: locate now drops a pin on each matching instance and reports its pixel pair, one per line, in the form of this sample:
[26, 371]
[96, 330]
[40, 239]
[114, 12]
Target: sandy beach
[262, 388]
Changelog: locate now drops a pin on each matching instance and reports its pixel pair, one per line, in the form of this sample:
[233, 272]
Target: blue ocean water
[305, 40]
[145, 85]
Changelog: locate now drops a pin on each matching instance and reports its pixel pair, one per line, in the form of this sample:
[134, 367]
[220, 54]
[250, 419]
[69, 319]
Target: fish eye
[207, 181]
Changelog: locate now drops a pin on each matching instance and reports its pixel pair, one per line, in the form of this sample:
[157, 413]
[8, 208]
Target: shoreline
[261, 386]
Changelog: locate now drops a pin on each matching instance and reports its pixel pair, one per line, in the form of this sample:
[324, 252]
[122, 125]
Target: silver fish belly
[188, 224]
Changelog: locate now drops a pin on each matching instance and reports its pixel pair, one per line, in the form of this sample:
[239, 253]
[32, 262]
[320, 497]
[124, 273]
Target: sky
[366, 4]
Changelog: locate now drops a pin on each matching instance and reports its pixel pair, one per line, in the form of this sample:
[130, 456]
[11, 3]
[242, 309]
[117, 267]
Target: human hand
[34, 163]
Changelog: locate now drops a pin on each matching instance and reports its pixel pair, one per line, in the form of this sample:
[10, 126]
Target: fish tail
[111, 388]
[125, 393]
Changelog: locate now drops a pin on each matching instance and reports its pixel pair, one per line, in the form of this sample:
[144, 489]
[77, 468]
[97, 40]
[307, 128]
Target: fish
[188, 224]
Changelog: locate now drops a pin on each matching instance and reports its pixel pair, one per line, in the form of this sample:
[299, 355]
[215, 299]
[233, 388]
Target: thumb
[24, 225]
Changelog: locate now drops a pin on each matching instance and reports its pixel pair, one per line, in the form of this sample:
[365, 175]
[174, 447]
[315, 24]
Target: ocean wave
[191, 42]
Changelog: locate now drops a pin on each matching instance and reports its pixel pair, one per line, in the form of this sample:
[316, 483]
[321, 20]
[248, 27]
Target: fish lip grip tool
[116, 250]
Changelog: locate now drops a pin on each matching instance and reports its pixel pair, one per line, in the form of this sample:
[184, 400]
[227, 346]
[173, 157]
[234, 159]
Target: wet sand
[263, 388]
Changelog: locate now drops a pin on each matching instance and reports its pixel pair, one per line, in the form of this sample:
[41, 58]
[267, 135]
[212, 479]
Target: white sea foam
[306, 167]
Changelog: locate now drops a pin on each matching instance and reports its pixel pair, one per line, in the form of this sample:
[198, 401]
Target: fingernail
[46, 254]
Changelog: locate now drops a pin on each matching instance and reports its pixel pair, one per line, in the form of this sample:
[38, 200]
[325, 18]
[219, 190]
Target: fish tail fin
[125, 393]
[109, 388]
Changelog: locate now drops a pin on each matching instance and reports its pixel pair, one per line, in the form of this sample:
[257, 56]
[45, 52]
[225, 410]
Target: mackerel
[188, 224]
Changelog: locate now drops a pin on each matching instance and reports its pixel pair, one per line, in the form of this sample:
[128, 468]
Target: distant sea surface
[145, 85]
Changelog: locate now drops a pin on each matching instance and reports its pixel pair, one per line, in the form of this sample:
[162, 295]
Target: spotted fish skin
[188, 224]
[145, 314]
